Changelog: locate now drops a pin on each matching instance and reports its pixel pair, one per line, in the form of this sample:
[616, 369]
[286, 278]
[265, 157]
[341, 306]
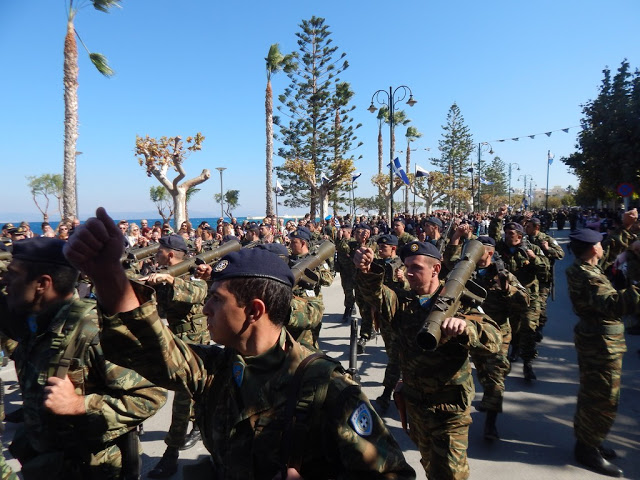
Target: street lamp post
[481, 145]
[221, 169]
[391, 105]
[517, 169]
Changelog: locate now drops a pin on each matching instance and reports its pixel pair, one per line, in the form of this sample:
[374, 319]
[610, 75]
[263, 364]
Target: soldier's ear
[255, 310]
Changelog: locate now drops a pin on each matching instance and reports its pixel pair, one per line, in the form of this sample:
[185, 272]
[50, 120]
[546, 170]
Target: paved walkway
[537, 424]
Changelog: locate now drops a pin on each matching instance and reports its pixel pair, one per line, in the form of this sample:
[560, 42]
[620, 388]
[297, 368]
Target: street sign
[625, 189]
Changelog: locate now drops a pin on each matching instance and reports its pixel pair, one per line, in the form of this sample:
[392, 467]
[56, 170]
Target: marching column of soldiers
[230, 319]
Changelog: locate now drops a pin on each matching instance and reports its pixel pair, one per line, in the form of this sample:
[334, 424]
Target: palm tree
[276, 62]
[412, 135]
[70, 81]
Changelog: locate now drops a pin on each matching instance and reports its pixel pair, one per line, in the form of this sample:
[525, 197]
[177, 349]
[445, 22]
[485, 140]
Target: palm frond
[100, 62]
[105, 5]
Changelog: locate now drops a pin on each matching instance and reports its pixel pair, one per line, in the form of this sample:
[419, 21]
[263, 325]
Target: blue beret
[345, 225]
[534, 220]
[277, 248]
[364, 226]
[435, 220]
[388, 240]
[514, 226]
[252, 262]
[399, 220]
[173, 242]
[483, 239]
[420, 248]
[40, 250]
[302, 233]
[584, 235]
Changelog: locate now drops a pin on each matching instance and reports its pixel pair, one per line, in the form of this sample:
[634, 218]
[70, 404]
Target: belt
[451, 395]
[188, 327]
[583, 327]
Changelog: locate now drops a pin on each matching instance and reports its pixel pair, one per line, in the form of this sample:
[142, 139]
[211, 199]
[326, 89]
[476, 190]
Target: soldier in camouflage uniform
[552, 251]
[299, 244]
[344, 265]
[619, 241]
[600, 343]
[528, 264]
[404, 237]
[505, 297]
[76, 427]
[6, 472]
[180, 301]
[248, 392]
[394, 278]
[437, 385]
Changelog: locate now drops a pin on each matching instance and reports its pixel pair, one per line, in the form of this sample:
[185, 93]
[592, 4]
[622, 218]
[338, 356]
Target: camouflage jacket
[405, 238]
[440, 379]
[391, 267]
[116, 399]
[345, 251]
[528, 271]
[240, 403]
[181, 304]
[554, 252]
[614, 245]
[600, 308]
[305, 320]
[500, 303]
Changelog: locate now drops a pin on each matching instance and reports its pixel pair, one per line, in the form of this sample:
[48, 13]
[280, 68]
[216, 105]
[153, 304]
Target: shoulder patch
[238, 373]
[362, 420]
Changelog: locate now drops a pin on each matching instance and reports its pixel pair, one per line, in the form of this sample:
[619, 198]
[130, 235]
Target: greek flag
[355, 176]
[421, 172]
[336, 222]
[279, 188]
[324, 178]
[484, 181]
[399, 171]
[550, 157]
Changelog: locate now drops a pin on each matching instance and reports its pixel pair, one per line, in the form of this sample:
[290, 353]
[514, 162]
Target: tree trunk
[179, 206]
[70, 81]
[268, 106]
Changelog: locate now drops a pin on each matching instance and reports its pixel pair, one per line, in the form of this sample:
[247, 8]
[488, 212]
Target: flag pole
[415, 176]
[546, 201]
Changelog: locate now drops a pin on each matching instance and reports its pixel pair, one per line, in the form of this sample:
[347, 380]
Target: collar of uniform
[53, 319]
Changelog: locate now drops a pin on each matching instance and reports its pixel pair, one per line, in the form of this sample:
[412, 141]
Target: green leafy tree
[162, 200]
[455, 148]
[432, 189]
[609, 141]
[230, 201]
[70, 82]
[42, 188]
[169, 153]
[276, 62]
[318, 139]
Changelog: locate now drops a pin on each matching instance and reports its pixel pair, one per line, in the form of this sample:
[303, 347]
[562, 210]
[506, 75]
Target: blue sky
[514, 68]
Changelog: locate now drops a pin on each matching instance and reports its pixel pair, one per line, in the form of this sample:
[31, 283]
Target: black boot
[192, 438]
[167, 466]
[346, 316]
[592, 458]
[514, 353]
[384, 400]
[528, 372]
[490, 430]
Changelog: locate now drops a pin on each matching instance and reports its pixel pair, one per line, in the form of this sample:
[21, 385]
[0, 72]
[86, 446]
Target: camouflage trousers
[543, 297]
[182, 409]
[366, 324]
[598, 397]
[492, 370]
[442, 438]
[392, 371]
[524, 326]
[348, 287]
[5, 470]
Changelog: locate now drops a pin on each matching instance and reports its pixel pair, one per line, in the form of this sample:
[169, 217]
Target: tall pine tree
[455, 148]
[318, 139]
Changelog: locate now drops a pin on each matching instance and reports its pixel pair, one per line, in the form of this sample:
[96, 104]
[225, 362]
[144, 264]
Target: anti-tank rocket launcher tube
[303, 270]
[210, 256]
[458, 287]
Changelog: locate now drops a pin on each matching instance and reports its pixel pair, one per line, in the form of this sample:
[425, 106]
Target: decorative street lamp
[391, 103]
[518, 169]
[221, 169]
[486, 146]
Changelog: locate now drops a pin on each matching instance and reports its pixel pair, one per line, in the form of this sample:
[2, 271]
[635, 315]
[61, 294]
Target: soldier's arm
[325, 275]
[365, 447]
[555, 251]
[306, 313]
[129, 397]
[189, 290]
[598, 295]
[482, 335]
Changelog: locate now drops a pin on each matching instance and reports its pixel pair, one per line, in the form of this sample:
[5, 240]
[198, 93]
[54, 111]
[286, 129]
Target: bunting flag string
[532, 137]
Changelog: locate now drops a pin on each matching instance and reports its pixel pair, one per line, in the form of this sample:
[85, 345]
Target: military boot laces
[490, 429]
[592, 457]
[527, 370]
[167, 466]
